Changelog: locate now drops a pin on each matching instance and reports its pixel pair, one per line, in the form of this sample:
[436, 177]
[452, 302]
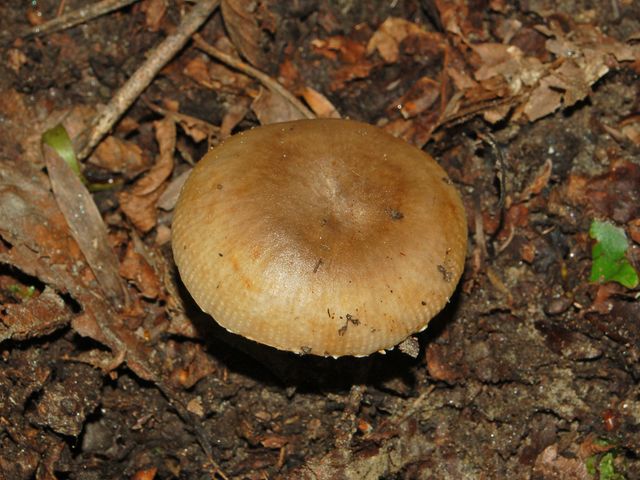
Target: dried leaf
[456, 17]
[141, 210]
[353, 62]
[630, 127]
[274, 441]
[271, 107]
[420, 97]
[34, 317]
[86, 325]
[166, 138]
[553, 466]
[18, 141]
[36, 237]
[240, 19]
[197, 69]
[320, 104]
[37, 241]
[540, 181]
[145, 474]
[154, 11]
[16, 59]
[614, 194]
[135, 268]
[634, 230]
[192, 363]
[386, 40]
[234, 115]
[543, 101]
[169, 197]
[139, 204]
[86, 226]
[119, 156]
[216, 76]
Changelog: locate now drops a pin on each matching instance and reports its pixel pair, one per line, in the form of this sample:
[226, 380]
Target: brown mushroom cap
[329, 237]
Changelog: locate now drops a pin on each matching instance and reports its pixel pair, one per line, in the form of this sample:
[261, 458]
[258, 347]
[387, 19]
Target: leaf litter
[89, 278]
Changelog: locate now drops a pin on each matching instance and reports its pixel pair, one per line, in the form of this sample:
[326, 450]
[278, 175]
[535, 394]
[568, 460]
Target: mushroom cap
[328, 237]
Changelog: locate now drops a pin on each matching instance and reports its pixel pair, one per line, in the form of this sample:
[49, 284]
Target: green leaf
[24, 293]
[58, 139]
[591, 465]
[610, 263]
[607, 468]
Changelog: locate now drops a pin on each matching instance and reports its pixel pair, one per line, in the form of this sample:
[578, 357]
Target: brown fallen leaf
[154, 13]
[188, 363]
[36, 239]
[139, 203]
[457, 17]
[34, 317]
[146, 474]
[289, 75]
[140, 209]
[386, 40]
[273, 440]
[540, 180]
[320, 104]
[240, 19]
[417, 130]
[166, 138]
[543, 101]
[86, 225]
[614, 194]
[119, 156]
[35, 235]
[634, 230]
[543, 70]
[18, 141]
[197, 69]
[135, 268]
[196, 128]
[553, 466]
[169, 197]
[271, 107]
[422, 95]
[234, 115]
[215, 76]
[350, 58]
[630, 127]
[16, 59]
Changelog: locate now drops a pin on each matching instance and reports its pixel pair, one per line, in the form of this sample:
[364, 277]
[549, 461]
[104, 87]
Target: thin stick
[76, 17]
[263, 78]
[145, 74]
[60, 8]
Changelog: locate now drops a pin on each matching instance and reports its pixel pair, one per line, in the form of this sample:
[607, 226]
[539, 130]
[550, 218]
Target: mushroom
[328, 237]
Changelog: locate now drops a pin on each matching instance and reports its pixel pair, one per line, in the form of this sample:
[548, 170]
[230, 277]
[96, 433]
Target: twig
[500, 167]
[60, 8]
[141, 79]
[247, 69]
[181, 118]
[456, 118]
[76, 17]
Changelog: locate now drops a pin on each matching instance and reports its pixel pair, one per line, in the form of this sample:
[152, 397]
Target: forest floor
[108, 370]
